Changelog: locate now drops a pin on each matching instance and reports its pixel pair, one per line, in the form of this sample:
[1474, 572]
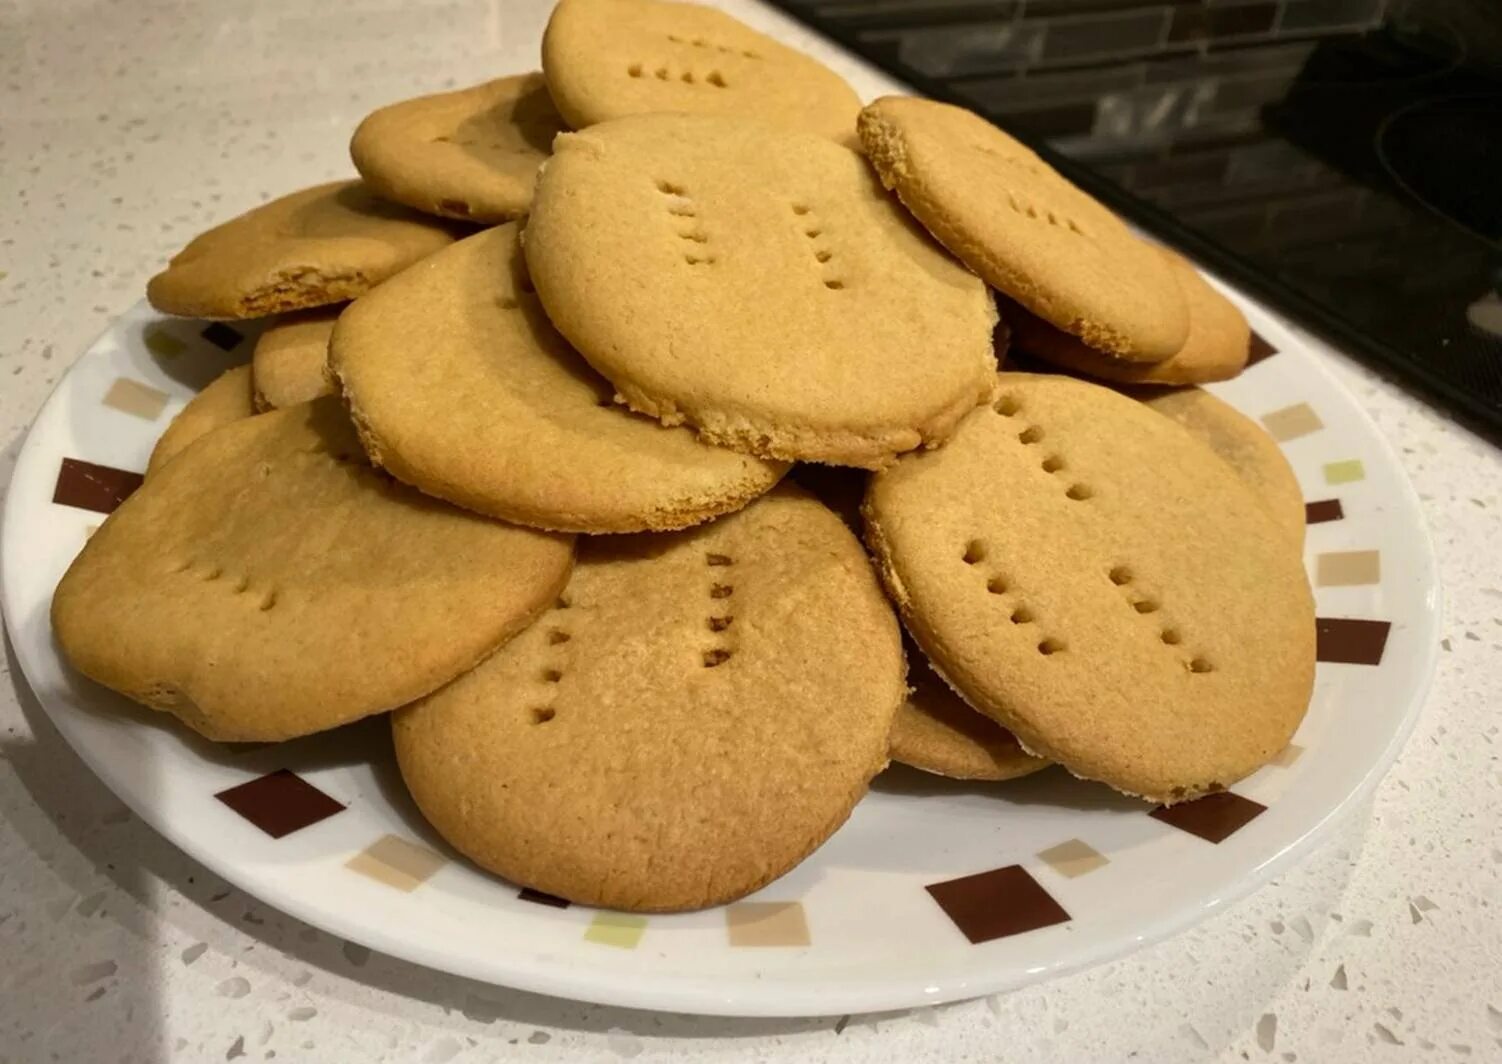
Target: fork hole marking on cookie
[997, 585]
[1007, 406]
[800, 208]
[557, 637]
[716, 79]
[1200, 665]
[667, 188]
[551, 676]
[823, 256]
[719, 624]
[716, 559]
[1170, 636]
[719, 591]
[1049, 647]
[1079, 492]
[1030, 435]
[1120, 575]
[563, 603]
[1052, 464]
[634, 70]
[543, 714]
[269, 602]
[975, 551]
[717, 656]
[834, 286]
[1145, 606]
[1021, 615]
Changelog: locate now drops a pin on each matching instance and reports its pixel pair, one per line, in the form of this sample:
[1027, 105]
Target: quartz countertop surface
[127, 127]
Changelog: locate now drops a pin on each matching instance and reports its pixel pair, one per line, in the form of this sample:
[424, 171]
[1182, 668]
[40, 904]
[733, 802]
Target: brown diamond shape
[280, 803]
[996, 904]
[1259, 349]
[1349, 640]
[221, 336]
[528, 894]
[1316, 513]
[93, 487]
[1214, 818]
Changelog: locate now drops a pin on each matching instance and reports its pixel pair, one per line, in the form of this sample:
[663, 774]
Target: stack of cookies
[511, 464]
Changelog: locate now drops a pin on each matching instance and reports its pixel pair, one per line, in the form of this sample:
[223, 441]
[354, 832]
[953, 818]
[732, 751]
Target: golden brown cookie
[291, 358]
[1216, 348]
[1243, 443]
[325, 244]
[936, 731]
[606, 59]
[1088, 574]
[471, 154]
[227, 398]
[759, 285]
[700, 711]
[461, 387]
[1031, 234]
[267, 583]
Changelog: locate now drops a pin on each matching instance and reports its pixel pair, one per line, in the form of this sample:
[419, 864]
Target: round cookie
[325, 244]
[606, 59]
[1216, 348]
[759, 285]
[227, 398]
[291, 358]
[472, 154]
[937, 732]
[499, 415]
[1088, 574]
[700, 712]
[332, 594]
[1031, 234]
[1243, 443]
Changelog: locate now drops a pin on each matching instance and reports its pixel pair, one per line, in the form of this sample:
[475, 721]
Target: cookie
[499, 415]
[605, 59]
[325, 244]
[937, 732]
[1215, 349]
[700, 712]
[1031, 234]
[267, 583]
[291, 358]
[471, 154]
[1244, 445]
[227, 398]
[758, 285]
[1092, 577]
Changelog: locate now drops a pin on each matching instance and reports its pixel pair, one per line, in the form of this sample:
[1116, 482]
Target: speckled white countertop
[129, 126]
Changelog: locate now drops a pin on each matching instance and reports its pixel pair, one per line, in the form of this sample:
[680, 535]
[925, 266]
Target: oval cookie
[325, 244]
[1244, 445]
[1094, 578]
[462, 388]
[267, 583]
[1031, 234]
[471, 154]
[1215, 349]
[227, 398]
[700, 711]
[606, 59]
[775, 297]
[936, 731]
[291, 359]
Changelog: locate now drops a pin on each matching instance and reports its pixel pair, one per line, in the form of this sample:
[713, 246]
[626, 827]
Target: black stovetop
[1351, 177]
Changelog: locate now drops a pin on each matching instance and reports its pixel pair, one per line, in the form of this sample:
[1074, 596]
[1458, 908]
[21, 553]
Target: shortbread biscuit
[461, 387]
[267, 583]
[1031, 234]
[471, 154]
[606, 59]
[291, 359]
[227, 398]
[1215, 349]
[325, 244]
[759, 285]
[700, 711]
[1243, 443]
[936, 731]
[1091, 576]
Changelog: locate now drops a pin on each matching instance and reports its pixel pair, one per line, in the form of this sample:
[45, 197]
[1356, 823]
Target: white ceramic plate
[855, 928]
